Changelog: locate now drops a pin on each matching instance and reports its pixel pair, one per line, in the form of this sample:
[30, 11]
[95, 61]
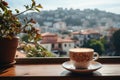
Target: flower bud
[32, 21]
[4, 3]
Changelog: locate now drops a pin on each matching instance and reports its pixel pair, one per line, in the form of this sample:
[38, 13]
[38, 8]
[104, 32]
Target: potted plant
[10, 27]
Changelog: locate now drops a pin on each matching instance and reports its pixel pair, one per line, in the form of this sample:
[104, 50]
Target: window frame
[53, 60]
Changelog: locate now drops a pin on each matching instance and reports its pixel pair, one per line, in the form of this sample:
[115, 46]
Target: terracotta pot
[7, 50]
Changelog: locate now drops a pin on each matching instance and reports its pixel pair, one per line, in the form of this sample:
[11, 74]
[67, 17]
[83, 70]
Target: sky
[105, 5]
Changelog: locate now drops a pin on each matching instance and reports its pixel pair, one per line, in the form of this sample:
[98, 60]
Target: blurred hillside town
[62, 29]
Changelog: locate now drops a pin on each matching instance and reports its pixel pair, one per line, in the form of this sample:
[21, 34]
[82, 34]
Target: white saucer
[93, 67]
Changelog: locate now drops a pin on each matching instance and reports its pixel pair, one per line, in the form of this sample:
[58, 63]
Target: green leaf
[37, 9]
[33, 0]
[39, 6]
[26, 6]
[33, 3]
[3, 7]
[17, 11]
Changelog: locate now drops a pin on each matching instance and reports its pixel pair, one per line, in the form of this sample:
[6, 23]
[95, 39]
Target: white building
[117, 25]
[54, 43]
[60, 25]
[47, 23]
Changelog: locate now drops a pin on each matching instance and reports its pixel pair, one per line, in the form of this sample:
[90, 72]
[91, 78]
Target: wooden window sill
[51, 69]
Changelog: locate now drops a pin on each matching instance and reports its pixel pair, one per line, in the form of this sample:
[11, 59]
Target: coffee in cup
[81, 57]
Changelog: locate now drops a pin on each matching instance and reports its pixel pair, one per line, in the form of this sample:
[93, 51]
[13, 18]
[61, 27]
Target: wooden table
[51, 69]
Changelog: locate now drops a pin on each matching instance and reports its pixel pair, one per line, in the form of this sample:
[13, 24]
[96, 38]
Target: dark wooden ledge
[109, 60]
[51, 69]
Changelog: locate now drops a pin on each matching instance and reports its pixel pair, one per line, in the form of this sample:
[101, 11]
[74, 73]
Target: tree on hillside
[116, 42]
[97, 45]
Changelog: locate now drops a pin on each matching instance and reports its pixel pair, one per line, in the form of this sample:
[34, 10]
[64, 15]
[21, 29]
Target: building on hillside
[46, 23]
[84, 35]
[56, 44]
[117, 25]
[90, 34]
[77, 38]
[60, 25]
[50, 29]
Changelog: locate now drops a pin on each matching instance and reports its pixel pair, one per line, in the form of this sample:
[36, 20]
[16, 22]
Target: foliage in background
[116, 42]
[97, 45]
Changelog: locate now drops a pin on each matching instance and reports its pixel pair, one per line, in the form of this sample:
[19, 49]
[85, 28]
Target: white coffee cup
[81, 57]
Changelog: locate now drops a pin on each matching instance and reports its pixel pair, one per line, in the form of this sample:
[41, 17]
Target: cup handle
[96, 56]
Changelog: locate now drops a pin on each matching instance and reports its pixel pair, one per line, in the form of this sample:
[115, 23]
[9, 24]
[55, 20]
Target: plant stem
[23, 12]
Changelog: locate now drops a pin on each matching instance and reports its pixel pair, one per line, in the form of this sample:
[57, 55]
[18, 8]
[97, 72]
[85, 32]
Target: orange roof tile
[89, 32]
[48, 34]
[59, 40]
[75, 33]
